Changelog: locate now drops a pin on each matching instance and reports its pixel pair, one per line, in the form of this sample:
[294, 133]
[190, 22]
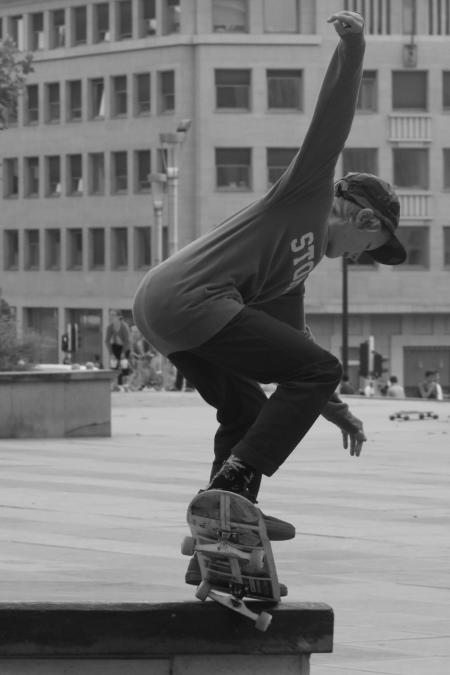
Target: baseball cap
[369, 191]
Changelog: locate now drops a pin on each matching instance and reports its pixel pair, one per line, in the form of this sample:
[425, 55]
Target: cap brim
[391, 253]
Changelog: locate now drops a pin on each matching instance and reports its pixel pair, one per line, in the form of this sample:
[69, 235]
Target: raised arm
[333, 114]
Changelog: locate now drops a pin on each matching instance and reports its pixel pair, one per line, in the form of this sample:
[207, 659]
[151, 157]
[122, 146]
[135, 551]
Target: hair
[393, 379]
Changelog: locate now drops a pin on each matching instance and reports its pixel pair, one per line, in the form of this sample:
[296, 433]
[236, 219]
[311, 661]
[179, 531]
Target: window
[360, 159]
[79, 26]
[171, 16]
[167, 91]
[446, 89]
[230, 17]
[11, 250]
[143, 96]
[75, 175]
[52, 249]
[409, 17]
[281, 17]
[11, 177]
[409, 90]
[96, 248]
[53, 175]
[233, 168]
[57, 28]
[16, 31]
[278, 160]
[119, 248]
[143, 169]
[101, 22]
[12, 113]
[31, 257]
[148, 23]
[32, 104]
[446, 162]
[74, 249]
[52, 103]
[447, 246]
[142, 247]
[377, 14]
[411, 168]
[74, 103]
[96, 88]
[416, 242]
[32, 176]
[96, 164]
[119, 96]
[119, 172]
[232, 89]
[368, 95]
[438, 17]
[37, 31]
[124, 19]
[284, 89]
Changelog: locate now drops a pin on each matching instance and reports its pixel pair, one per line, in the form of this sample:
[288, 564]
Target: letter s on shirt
[304, 241]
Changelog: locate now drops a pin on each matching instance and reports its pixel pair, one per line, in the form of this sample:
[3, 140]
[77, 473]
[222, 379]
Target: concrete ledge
[40, 404]
[159, 631]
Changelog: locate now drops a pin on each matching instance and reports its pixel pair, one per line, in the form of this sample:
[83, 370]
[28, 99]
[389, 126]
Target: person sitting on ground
[346, 386]
[395, 390]
[430, 387]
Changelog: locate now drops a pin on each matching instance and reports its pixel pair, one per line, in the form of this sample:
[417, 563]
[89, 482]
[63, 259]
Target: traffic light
[364, 359]
[378, 368]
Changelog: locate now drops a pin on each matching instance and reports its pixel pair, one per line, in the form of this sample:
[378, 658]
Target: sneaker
[233, 476]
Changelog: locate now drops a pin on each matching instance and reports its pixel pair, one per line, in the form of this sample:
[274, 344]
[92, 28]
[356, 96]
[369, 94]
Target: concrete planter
[44, 404]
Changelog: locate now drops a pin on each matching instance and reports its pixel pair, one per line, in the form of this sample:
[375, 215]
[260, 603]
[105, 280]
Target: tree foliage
[16, 353]
[14, 68]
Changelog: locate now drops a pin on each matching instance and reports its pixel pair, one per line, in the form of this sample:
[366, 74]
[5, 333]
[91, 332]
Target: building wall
[399, 306]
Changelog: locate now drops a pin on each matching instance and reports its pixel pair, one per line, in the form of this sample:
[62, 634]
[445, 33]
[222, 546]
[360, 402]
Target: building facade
[79, 223]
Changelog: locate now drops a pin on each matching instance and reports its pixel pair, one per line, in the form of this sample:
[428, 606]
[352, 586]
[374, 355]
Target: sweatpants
[226, 370]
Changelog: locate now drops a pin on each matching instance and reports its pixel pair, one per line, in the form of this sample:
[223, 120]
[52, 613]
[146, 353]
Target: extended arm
[333, 114]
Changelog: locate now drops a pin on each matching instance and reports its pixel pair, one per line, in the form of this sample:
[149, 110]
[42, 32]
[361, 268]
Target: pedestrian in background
[395, 390]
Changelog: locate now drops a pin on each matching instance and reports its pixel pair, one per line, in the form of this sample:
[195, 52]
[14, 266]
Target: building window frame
[119, 173]
[282, 84]
[233, 89]
[52, 249]
[233, 169]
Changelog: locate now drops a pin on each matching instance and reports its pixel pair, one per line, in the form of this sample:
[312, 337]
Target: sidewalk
[102, 520]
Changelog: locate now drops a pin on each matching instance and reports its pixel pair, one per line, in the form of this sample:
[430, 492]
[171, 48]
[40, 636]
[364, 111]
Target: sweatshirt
[261, 256]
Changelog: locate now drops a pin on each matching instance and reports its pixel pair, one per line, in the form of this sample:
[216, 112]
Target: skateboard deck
[234, 553]
[413, 415]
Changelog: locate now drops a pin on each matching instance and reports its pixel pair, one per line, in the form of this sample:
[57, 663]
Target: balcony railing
[415, 205]
[409, 128]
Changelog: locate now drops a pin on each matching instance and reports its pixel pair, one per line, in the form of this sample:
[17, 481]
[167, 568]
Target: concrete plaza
[102, 520]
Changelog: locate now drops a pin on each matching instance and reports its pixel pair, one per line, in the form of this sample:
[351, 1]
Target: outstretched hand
[356, 441]
[347, 22]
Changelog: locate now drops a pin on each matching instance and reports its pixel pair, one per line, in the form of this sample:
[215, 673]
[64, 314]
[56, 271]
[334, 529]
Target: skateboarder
[228, 308]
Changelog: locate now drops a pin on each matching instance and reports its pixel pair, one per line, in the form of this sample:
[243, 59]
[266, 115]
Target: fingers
[347, 22]
[356, 443]
[344, 439]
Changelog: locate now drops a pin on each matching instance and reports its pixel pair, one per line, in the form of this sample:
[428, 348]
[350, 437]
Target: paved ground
[102, 519]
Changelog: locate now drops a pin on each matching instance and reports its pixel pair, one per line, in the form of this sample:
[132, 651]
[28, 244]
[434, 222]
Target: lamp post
[158, 184]
[171, 144]
[345, 315]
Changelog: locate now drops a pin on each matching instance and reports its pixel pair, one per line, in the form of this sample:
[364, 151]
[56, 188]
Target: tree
[14, 68]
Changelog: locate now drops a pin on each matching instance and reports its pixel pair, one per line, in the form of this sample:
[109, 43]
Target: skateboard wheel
[392, 417]
[188, 546]
[435, 417]
[263, 621]
[421, 417]
[202, 591]
[256, 559]
[406, 417]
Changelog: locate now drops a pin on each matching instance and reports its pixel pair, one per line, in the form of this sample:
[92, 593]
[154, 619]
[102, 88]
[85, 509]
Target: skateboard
[234, 553]
[413, 415]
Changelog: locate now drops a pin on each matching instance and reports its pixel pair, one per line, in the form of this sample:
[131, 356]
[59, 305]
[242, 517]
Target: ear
[366, 220]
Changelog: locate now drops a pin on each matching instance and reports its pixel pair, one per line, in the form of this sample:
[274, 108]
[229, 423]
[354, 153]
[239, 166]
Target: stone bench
[44, 404]
[179, 638]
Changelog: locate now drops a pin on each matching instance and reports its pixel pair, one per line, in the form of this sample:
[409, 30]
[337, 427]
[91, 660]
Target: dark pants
[254, 347]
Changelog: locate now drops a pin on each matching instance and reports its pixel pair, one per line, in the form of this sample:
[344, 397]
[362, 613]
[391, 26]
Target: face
[353, 230]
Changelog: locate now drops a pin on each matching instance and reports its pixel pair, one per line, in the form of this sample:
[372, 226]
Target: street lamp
[158, 184]
[171, 144]
[345, 315]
